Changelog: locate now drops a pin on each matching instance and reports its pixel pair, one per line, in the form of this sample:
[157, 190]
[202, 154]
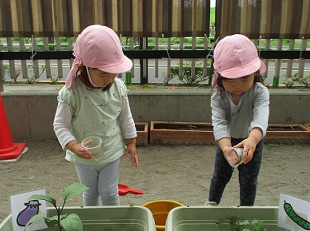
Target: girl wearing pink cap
[94, 102]
[240, 113]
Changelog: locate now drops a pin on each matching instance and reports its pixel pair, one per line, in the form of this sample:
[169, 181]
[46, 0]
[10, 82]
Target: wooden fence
[155, 32]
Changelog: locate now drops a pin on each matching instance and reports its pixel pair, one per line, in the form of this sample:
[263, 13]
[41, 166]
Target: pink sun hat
[98, 47]
[236, 56]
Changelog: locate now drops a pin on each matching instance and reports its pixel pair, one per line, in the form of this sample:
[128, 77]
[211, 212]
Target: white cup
[92, 144]
[238, 152]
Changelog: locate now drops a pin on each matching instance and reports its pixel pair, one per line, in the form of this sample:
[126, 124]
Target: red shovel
[123, 189]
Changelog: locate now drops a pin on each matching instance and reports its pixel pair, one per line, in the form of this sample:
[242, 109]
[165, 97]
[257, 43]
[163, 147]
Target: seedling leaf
[51, 221]
[73, 190]
[42, 197]
[72, 223]
[34, 219]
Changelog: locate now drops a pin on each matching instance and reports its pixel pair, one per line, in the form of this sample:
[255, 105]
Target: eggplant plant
[65, 222]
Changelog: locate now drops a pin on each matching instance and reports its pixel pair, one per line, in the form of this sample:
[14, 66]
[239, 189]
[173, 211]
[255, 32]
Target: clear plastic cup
[92, 144]
[237, 152]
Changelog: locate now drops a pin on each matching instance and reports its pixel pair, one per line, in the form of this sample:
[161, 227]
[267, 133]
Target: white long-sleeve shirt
[236, 121]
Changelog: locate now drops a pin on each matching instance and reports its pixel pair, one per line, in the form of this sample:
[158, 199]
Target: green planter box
[202, 218]
[112, 218]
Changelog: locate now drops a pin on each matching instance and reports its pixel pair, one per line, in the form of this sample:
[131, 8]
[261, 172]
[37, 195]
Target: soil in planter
[210, 128]
[289, 134]
[183, 127]
[140, 127]
[181, 133]
[288, 128]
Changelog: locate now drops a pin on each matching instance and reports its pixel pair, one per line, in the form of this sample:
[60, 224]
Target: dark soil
[184, 127]
[285, 128]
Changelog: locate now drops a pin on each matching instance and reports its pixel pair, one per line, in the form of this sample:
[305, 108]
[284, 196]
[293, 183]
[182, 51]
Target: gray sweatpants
[102, 182]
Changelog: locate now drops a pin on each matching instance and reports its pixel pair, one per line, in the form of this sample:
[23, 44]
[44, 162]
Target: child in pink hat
[94, 102]
[240, 113]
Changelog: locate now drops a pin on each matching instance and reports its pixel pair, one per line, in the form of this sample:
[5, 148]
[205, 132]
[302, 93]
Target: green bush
[186, 76]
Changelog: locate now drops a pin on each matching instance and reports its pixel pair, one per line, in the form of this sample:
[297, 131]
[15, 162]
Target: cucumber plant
[249, 225]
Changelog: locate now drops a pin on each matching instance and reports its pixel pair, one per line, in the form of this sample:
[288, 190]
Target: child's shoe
[210, 203]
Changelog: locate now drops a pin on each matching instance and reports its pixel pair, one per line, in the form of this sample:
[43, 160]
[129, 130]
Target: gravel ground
[179, 173]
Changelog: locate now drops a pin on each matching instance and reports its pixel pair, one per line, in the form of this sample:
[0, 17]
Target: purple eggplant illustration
[32, 208]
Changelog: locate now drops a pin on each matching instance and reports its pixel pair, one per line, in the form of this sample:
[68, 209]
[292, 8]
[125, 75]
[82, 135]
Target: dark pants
[248, 174]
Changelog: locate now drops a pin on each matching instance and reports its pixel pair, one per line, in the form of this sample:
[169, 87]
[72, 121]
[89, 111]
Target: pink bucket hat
[98, 47]
[236, 56]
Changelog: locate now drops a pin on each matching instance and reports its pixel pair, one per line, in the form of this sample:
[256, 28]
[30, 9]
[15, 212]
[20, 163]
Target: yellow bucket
[160, 210]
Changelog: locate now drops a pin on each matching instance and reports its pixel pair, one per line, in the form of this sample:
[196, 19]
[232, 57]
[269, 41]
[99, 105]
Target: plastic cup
[237, 152]
[92, 144]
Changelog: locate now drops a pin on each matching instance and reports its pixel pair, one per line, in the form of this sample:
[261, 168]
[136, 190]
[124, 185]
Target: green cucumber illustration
[288, 208]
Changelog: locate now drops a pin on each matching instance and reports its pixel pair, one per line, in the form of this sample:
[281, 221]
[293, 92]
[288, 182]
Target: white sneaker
[210, 203]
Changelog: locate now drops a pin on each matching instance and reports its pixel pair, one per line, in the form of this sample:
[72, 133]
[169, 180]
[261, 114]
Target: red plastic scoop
[123, 189]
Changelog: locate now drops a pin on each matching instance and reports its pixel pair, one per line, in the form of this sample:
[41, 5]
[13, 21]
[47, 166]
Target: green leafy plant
[147, 86]
[27, 39]
[13, 75]
[65, 222]
[304, 80]
[249, 225]
[192, 127]
[4, 71]
[30, 80]
[288, 83]
[186, 76]
[32, 72]
[55, 79]
[273, 147]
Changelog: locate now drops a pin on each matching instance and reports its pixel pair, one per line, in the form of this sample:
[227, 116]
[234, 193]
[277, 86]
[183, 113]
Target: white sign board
[294, 213]
[22, 210]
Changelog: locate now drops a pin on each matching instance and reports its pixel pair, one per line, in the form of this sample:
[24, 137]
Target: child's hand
[231, 156]
[131, 149]
[80, 151]
[249, 146]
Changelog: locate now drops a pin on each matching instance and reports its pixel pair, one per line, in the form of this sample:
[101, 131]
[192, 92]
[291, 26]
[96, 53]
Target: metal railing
[165, 60]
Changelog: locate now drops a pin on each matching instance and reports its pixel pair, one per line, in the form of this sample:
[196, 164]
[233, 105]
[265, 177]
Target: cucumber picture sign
[294, 213]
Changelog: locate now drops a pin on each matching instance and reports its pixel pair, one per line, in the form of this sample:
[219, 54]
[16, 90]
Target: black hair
[83, 76]
[220, 88]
